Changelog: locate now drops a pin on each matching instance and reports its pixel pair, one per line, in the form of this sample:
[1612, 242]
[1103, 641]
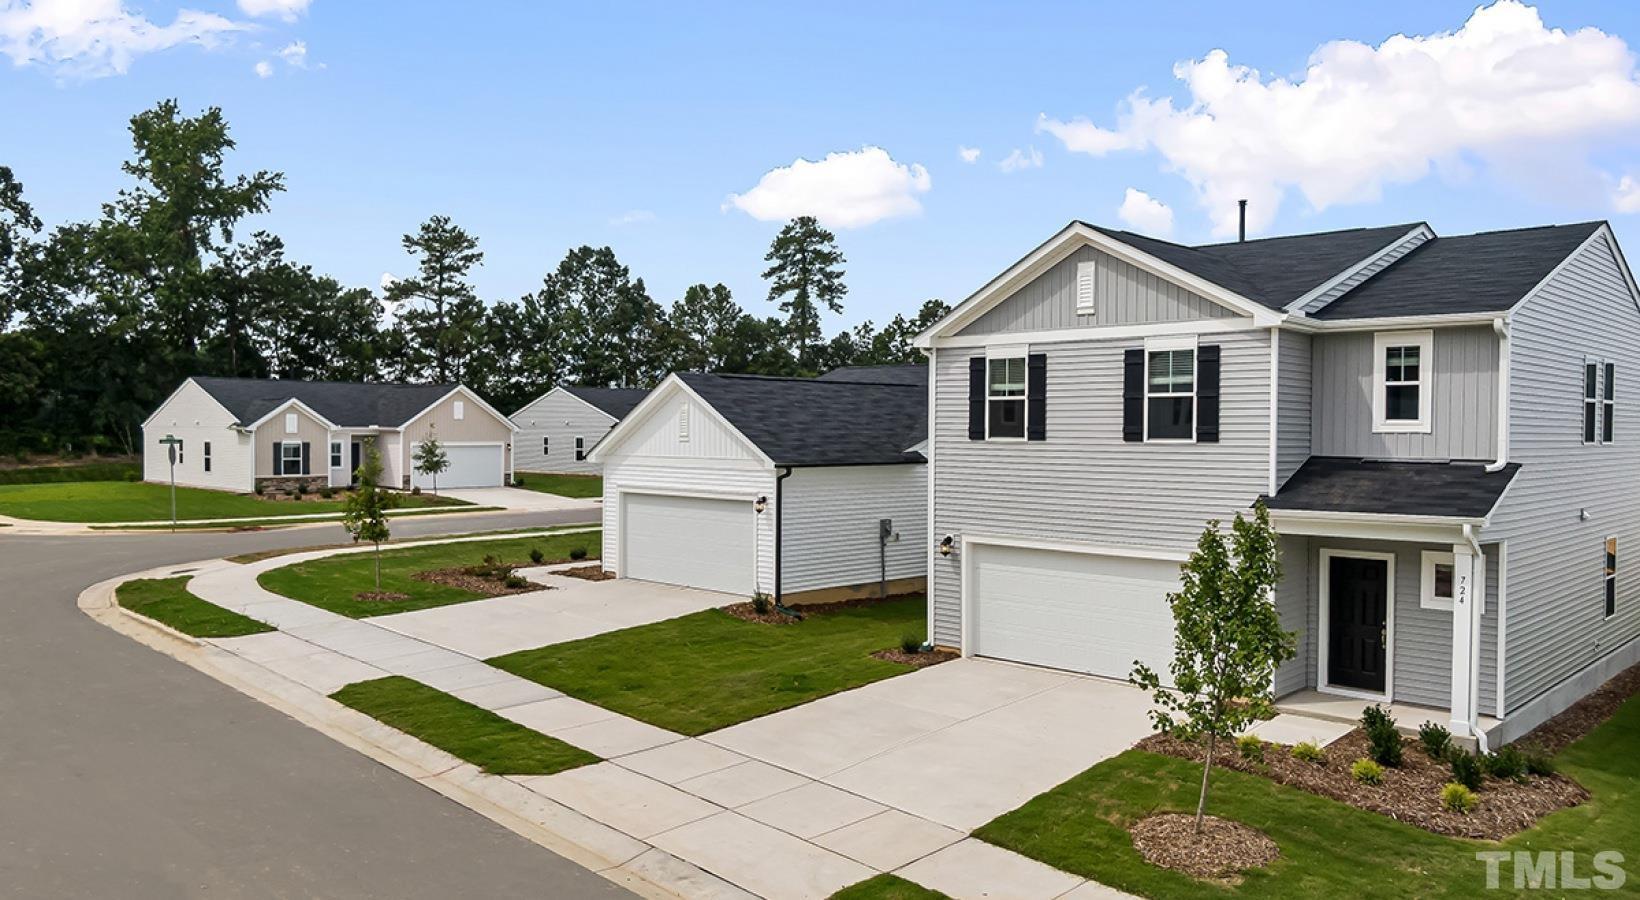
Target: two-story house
[1438, 425]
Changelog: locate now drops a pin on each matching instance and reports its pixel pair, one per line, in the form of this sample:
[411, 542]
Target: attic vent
[683, 424]
[1087, 272]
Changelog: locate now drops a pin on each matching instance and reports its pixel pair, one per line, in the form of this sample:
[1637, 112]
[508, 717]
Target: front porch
[1325, 707]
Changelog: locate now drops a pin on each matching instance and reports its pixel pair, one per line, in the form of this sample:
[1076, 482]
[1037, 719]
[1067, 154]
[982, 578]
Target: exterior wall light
[947, 544]
[760, 504]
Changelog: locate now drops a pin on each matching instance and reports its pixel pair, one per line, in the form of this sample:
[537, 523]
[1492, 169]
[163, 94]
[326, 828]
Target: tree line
[100, 320]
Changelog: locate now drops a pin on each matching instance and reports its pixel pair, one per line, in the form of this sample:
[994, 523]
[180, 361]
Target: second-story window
[1608, 403]
[1401, 381]
[1170, 394]
[1005, 397]
[1591, 401]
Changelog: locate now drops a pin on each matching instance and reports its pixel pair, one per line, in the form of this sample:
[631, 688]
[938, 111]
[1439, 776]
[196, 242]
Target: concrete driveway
[518, 499]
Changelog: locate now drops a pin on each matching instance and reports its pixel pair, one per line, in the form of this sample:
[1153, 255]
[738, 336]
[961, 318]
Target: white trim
[173, 395]
[1324, 636]
[1164, 345]
[657, 397]
[1425, 342]
[1385, 323]
[1297, 305]
[1420, 529]
[329, 425]
[1102, 333]
[1021, 352]
[929, 518]
[1503, 612]
[1060, 247]
[1087, 287]
[1427, 562]
[1275, 406]
[279, 464]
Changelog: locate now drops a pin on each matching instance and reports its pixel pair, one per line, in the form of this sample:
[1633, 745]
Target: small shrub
[1539, 764]
[536, 556]
[1507, 763]
[578, 553]
[1466, 769]
[1458, 798]
[260, 488]
[1309, 752]
[327, 492]
[1367, 772]
[1382, 735]
[415, 491]
[298, 490]
[137, 476]
[911, 643]
[760, 603]
[1250, 748]
[1436, 739]
[516, 581]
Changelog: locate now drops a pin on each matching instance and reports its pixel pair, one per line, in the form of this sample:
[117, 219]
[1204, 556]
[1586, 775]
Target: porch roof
[1459, 490]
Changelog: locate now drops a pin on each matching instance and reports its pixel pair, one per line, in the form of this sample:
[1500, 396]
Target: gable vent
[683, 423]
[1087, 272]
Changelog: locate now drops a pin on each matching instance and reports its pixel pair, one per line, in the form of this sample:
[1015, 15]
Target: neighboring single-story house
[795, 487]
[557, 429]
[238, 433]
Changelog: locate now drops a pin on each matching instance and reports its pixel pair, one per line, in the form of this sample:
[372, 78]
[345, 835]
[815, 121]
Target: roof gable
[345, 404]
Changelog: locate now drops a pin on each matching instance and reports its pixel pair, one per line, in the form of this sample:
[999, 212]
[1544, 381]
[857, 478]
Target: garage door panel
[471, 465]
[693, 541]
[1080, 612]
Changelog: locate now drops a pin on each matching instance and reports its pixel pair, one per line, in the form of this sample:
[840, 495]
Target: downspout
[1501, 326]
[1474, 651]
[779, 512]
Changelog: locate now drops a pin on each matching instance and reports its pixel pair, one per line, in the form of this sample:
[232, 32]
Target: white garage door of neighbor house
[1076, 611]
[471, 465]
[692, 541]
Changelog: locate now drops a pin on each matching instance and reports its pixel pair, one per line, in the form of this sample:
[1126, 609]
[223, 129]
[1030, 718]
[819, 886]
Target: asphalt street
[124, 773]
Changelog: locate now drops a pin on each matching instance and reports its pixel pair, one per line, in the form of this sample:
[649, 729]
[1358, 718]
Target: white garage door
[1075, 611]
[471, 465]
[692, 541]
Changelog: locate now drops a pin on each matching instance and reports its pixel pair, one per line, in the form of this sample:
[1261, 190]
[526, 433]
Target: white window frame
[1427, 598]
[1161, 345]
[459, 410]
[1425, 342]
[1021, 352]
[337, 459]
[285, 457]
[292, 423]
[1608, 575]
[1087, 287]
[1607, 426]
[1588, 422]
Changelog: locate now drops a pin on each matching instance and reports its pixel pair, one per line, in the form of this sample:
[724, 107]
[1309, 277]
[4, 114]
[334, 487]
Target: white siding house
[557, 430]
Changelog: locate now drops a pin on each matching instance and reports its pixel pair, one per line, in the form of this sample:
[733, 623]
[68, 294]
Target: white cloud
[289, 10]
[968, 154]
[95, 38]
[1021, 159]
[632, 217]
[1627, 197]
[264, 69]
[1361, 117]
[1145, 213]
[844, 190]
[294, 54]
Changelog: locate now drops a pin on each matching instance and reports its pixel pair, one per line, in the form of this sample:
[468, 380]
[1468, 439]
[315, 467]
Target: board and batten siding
[559, 417]
[1463, 419]
[194, 416]
[1124, 294]
[1293, 397]
[661, 455]
[1084, 483]
[1554, 621]
[831, 523]
[309, 430]
[1361, 275]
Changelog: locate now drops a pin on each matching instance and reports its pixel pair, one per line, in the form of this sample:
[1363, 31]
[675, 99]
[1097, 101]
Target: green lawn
[562, 485]
[1328, 849]
[496, 745]
[167, 600]
[288, 522]
[887, 887]
[138, 501]
[710, 670]
[80, 471]
[332, 582]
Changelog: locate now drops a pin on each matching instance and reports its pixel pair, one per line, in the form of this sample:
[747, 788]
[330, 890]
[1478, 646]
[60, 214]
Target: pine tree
[806, 274]
[439, 311]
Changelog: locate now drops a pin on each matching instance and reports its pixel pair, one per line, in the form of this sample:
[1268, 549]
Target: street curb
[619, 858]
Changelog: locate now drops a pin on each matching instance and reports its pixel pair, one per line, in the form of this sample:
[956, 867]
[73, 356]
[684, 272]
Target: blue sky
[542, 126]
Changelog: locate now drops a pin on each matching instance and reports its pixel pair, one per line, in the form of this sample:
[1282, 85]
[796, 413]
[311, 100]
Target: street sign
[172, 442]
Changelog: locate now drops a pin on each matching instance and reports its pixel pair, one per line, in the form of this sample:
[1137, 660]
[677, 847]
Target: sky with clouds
[940, 142]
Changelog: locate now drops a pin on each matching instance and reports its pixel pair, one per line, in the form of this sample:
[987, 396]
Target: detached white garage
[700, 542]
[471, 465]
[1082, 612]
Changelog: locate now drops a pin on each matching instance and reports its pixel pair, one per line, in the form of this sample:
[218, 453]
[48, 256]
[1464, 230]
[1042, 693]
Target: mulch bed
[381, 596]
[1410, 794]
[590, 573]
[920, 660]
[1223, 849]
[484, 585]
[746, 612]
[774, 617]
[1583, 716]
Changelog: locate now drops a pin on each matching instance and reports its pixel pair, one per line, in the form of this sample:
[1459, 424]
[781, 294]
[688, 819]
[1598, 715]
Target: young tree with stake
[365, 514]
[1227, 643]
[430, 458]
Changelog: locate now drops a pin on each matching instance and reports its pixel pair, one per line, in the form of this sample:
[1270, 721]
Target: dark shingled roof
[349, 404]
[889, 374]
[1347, 485]
[1272, 271]
[616, 402]
[818, 422]
[1472, 273]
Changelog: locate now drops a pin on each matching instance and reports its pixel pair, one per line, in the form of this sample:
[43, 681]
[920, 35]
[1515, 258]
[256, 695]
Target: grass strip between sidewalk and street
[888, 887]
[474, 734]
[577, 486]
[94, 502]
[291, 522]
[167, 601]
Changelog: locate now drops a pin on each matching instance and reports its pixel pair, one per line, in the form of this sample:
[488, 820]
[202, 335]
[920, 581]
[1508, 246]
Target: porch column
[1468, 591]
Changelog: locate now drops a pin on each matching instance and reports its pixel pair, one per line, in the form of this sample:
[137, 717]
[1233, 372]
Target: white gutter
[1501, 326]
[1474, 652]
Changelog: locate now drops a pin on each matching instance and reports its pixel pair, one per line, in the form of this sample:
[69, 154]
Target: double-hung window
[1402, 393]
[206, 456]
[546, 445]
[335, 454]
[580, 448]
[1609, 577]
[1170, 392]
[1005, 397]
[1591, 401]
[290, 458]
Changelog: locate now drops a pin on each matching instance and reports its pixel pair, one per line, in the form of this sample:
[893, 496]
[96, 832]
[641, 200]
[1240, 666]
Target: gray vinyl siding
[1296, 605]
[830, 525]
[1555, 609]
[560, 417]
[1124, 295]
[1464, 393]
[1084, 484]
[1359, 277]
[1293, 393]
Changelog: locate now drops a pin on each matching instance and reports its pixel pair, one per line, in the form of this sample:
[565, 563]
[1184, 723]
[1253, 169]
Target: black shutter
[305, 469]
[1207, 394]
[1133, 395]
[1036, 394]
[976, 398]
[278, 458]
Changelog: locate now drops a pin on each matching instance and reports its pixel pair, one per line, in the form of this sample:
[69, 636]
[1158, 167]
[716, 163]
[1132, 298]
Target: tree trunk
[1207, 766]
[379, 580]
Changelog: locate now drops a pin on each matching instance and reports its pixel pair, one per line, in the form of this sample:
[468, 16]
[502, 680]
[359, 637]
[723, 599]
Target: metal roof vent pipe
[1243, 230]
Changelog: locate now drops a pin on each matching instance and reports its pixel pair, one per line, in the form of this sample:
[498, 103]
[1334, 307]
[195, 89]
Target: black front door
[1357, 610]
[358, 460]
